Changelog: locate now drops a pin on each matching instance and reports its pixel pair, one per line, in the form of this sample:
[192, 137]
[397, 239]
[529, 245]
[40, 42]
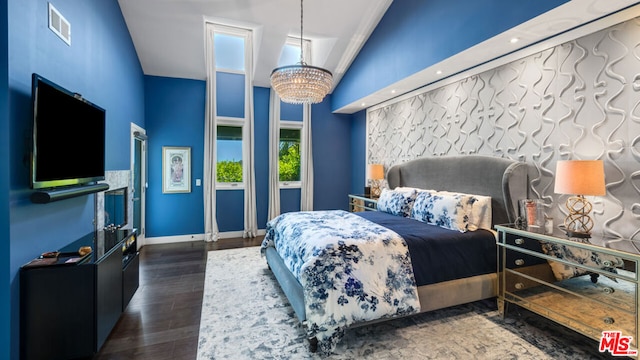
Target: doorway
[138, 179]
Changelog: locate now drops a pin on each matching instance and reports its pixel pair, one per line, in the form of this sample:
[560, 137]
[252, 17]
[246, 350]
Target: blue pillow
[396, 202]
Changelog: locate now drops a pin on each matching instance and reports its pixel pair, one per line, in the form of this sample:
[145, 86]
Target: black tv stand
[69, 307]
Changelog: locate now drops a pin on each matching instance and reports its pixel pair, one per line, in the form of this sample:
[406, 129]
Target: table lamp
[375, 172]
[579, 178]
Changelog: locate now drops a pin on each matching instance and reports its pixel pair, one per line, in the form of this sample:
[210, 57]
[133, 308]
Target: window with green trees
[229, 153]
[289, 155]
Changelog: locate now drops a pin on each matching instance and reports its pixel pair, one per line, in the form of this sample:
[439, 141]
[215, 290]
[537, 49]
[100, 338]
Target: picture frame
[176, 169]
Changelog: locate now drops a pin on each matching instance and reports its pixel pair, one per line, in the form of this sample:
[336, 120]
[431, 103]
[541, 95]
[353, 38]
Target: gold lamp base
[578, 223]
[375, 188]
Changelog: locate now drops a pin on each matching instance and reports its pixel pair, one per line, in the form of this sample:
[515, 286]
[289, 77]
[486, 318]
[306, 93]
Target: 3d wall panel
[578, 100]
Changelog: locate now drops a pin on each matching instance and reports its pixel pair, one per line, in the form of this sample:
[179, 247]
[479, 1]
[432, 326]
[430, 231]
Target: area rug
[245, 315]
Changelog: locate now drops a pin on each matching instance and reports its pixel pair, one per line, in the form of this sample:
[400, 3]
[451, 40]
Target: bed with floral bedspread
[352, 270]
[339, 270]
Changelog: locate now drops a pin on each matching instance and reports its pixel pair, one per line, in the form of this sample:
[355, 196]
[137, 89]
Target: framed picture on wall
[176, 169]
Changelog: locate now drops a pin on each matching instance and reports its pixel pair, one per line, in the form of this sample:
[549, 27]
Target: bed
[424, 278]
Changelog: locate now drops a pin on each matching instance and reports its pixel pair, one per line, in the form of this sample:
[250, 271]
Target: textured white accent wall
[578, 100]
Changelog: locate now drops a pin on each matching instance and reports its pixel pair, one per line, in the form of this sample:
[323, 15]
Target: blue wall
[331, 157]
[5, 249]
[175, 117]
[102, 65]
[415, 34]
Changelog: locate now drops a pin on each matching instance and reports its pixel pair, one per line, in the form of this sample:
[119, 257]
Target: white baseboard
[193, 237]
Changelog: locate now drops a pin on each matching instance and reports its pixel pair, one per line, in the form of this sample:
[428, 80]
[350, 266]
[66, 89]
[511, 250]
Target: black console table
[70, 303]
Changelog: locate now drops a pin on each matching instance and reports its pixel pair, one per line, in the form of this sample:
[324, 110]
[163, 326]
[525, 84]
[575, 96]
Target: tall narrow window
[229, 126]
[231, 87]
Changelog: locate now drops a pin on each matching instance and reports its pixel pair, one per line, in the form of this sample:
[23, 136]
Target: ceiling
[169, 36]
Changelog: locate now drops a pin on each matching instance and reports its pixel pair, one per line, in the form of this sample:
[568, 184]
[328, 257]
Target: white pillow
[480, 214]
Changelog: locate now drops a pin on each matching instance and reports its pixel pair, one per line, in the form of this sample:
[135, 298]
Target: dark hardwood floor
[163, 319]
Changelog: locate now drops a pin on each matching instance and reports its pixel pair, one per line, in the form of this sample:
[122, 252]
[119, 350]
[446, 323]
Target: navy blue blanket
[439, 254]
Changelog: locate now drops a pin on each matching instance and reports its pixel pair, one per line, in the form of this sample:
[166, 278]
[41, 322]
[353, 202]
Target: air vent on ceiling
[59, 25]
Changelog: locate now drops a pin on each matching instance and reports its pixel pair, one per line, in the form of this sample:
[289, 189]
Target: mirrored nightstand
[362, 203]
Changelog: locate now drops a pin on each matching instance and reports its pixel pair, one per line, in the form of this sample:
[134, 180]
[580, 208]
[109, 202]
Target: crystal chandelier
[301, 83]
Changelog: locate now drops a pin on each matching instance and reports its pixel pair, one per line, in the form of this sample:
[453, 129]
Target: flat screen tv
[68, 137]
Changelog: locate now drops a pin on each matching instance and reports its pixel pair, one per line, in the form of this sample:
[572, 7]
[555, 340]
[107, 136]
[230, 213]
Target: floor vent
[59, 25]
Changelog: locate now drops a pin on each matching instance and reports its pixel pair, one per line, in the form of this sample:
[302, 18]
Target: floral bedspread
[351, 270]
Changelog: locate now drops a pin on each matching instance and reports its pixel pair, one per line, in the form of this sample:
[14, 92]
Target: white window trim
[231, 121]
[294, 125]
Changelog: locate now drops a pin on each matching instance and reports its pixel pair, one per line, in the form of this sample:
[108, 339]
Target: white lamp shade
[375, 171]
[580, 177]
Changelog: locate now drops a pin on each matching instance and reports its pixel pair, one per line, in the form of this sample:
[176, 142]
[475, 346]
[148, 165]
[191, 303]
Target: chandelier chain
[301, 32]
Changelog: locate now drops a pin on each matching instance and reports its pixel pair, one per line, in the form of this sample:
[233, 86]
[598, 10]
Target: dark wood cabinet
[108, 294]
[68, 309]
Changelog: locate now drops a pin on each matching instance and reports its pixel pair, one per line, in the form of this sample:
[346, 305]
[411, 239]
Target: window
[289, 154]
[290, 54]
[231, 50]
[229, 155]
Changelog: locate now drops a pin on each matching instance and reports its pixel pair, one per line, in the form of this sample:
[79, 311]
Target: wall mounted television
[68, 138]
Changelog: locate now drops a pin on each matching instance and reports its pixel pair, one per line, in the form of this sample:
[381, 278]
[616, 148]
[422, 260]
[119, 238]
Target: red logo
[616, 344]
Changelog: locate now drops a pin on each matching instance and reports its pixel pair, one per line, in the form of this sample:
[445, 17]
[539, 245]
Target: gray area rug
[245, 315]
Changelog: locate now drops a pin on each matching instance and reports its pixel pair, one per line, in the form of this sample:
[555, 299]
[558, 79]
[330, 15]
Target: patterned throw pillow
[447, 210]
[478, 209]
[396, 202]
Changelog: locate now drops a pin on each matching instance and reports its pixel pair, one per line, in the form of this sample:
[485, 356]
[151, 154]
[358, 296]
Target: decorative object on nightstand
[579, 178]
[531, 216]
[375, 173]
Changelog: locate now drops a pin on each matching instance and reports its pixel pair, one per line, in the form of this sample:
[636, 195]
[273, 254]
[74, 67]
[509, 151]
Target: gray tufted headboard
[503, 179]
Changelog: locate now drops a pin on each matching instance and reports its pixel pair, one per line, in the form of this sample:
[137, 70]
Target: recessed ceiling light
[393, 91]
[514, 40]
[439, 72]
[363, 104]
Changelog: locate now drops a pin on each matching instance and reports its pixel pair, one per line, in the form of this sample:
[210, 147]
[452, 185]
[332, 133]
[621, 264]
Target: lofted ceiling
[169, 36]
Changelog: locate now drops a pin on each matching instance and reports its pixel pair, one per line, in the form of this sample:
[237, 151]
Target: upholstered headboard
[503, 179]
